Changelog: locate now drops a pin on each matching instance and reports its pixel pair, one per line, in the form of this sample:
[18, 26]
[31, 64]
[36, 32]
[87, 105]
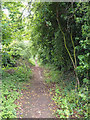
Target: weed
[12, 83]
[70, 104]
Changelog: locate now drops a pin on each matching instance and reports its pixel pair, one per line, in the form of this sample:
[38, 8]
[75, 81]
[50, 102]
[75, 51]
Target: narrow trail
[36, 101]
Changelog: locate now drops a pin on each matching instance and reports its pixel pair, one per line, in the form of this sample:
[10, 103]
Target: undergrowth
[12, 82]
[70, 103]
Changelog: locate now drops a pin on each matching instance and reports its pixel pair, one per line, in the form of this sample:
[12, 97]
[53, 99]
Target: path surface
[36, 101]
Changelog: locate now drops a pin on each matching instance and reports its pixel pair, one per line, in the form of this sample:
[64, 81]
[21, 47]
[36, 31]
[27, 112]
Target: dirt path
[36, 101]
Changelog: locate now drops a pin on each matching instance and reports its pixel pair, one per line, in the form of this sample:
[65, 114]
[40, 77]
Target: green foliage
[23, 71]
[71, 103]
[84, 47]
[12, 83]
[12, 30]
[10, 92]
[53, 75]
[32, 61]
[39, 34]
[15, 51]
[48, 42]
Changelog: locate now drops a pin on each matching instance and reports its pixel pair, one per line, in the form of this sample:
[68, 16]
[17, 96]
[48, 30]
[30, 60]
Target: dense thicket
[44, 27]
[58, 34]
[54, 33]
[49, 22]
[12, 33]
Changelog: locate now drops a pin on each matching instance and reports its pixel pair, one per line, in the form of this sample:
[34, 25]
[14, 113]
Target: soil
[36, 100]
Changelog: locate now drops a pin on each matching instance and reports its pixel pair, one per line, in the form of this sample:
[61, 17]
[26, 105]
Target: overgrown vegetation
[56, 34]
[13, 80]
[70, 103]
